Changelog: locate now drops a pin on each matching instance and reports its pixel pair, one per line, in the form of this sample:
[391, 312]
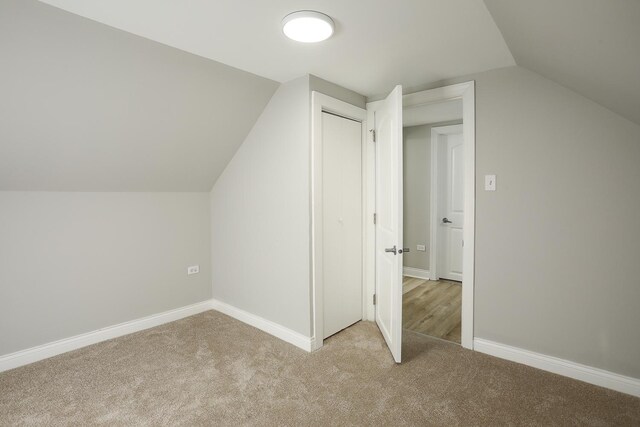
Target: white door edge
[387, 125]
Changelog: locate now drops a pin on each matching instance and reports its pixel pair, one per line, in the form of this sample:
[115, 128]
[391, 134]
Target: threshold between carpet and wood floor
[213, 369]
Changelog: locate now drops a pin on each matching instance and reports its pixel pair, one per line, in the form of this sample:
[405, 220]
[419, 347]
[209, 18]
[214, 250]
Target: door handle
[393, 249]
[445, 220]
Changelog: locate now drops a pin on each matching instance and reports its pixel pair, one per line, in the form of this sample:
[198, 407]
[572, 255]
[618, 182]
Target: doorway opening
[439, 218]
[433, 175]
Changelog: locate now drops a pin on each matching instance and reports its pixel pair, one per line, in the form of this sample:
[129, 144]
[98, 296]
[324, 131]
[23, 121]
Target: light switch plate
[194, 269]
[489, 183]
[421, 248]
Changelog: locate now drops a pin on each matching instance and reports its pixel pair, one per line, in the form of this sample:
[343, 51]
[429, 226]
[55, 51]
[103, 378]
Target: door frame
[466, 92]
[433, 195]
[321, 103]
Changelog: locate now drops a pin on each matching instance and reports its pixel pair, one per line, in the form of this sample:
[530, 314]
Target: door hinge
[375, 217]
[374, 299]
[373, 134]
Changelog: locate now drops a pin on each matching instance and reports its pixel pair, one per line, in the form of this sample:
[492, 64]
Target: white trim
[559, 366]
[322, 103]
[437, 95]
[466, 92]
[34, 354]
[272, 328]
[433, 209]
[416, 272]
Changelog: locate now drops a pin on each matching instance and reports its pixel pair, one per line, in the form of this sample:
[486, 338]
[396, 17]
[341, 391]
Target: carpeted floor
[210, 369]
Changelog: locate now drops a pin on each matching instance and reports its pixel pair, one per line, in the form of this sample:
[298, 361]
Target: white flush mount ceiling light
[307, 26]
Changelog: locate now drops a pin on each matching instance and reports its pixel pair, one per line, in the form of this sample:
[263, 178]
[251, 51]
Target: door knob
[445, 220]
[393, 249]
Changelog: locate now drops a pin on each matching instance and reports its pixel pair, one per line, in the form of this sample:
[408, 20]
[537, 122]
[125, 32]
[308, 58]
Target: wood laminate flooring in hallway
[432, 307]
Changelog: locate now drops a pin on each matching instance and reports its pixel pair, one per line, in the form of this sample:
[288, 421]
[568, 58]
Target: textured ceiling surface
[377, 45]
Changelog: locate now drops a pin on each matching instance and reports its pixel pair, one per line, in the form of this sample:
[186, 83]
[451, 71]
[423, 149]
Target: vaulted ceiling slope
[589, 46]
[86, 107]
[378, 43]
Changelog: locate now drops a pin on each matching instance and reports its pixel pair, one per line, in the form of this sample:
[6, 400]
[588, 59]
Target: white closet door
[342, 222]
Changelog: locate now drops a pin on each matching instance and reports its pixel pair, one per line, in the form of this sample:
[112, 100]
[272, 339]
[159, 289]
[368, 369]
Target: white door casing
[388, 184]
[342, 225]
[450, 202]
[466, 92]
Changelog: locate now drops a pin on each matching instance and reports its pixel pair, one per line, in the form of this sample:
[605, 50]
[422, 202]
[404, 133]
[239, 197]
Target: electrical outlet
[421, 248]
[194, 269]
[489, 183]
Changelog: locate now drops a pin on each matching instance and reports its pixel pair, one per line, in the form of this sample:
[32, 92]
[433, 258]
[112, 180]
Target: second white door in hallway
[450, 201]
[342, 225]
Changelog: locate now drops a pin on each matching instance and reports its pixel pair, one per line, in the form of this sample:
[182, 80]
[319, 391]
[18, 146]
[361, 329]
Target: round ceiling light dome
[307, 26]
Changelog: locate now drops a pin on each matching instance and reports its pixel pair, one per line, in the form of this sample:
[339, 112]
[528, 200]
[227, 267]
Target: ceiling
[590, 46]
[376, 46]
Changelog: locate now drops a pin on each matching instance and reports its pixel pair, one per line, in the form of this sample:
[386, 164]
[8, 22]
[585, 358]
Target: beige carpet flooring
[210, 369]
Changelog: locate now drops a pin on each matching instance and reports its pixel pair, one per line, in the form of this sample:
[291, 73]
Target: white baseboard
[278, 331]
[563, 367]
[416, 272]
[34, 354]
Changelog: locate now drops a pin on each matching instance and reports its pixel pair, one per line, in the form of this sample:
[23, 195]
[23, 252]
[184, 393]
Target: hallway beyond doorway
[432, 307]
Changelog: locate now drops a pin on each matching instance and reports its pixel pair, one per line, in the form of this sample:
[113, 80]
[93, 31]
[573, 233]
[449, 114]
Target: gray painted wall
[590, 46]
[72, 263]
[417, 181]
[86, 107]
[260, 213]
[557, 244]
[335, 91]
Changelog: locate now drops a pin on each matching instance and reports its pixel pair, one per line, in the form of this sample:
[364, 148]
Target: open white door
[388, 141]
